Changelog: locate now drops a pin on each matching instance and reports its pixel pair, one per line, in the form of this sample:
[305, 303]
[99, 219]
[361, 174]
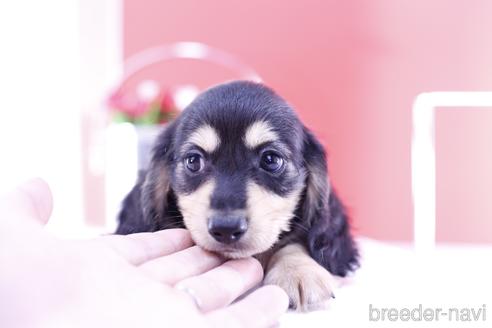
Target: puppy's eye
[194, 162]
[271, 162]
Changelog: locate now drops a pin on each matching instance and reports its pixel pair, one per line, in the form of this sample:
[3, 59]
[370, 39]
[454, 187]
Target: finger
[262, 308]
[139, 248]
[32, 200]
[222, 285]
[186, 263]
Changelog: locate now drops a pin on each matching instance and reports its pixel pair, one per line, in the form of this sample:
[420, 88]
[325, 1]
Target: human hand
[140, 280]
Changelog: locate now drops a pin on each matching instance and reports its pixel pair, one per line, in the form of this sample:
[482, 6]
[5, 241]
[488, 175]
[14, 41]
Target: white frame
[424, 158]
[101, 24]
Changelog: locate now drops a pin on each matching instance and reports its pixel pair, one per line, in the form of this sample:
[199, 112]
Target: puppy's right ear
[156, 185]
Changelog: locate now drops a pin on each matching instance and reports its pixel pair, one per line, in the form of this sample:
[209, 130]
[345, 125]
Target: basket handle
[186, 50]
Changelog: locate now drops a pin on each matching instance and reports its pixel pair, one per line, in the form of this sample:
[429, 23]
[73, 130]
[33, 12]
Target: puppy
[240, 171]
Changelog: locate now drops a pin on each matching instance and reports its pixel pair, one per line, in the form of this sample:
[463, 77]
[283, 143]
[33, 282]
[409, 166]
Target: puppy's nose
[226, 229]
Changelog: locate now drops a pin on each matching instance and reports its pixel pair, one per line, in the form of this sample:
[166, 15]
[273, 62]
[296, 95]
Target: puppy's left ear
[329, 240]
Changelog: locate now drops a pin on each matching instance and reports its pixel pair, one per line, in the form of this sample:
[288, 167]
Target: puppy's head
[235, 163]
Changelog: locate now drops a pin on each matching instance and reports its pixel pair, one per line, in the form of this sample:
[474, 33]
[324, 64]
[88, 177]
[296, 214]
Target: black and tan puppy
[240, 171]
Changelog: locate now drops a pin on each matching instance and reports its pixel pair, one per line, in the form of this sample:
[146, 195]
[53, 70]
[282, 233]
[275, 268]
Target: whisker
[172, 225]
[174, 217]
[299, 225]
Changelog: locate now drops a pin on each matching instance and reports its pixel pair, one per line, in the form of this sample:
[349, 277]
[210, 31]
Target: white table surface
[394, 276]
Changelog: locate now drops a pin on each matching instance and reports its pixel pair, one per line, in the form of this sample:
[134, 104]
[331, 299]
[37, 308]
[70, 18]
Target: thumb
[32, 200]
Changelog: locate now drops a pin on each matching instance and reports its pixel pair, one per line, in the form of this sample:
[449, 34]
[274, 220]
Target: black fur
[320, 221]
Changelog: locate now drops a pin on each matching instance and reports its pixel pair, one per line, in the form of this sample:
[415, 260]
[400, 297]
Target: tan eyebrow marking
[259, 133]
[205, 137]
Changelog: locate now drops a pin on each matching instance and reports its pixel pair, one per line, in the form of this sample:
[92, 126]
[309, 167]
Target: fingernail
[190, 293]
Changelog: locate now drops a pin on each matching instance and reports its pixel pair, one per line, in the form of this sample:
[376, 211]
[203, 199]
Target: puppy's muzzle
[227, 229]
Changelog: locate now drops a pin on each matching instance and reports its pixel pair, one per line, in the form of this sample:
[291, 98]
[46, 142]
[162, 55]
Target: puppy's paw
[308, 285]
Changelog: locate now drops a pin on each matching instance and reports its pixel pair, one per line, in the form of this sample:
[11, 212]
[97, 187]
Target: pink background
[352, 69]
